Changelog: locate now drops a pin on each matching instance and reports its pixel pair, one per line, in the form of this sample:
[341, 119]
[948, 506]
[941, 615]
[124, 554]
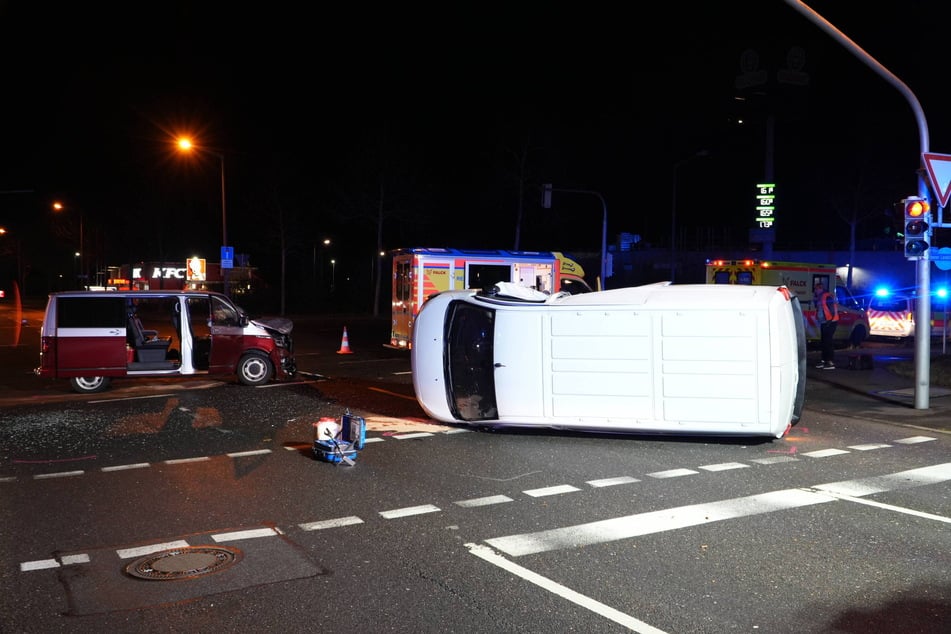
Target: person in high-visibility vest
[827, 315]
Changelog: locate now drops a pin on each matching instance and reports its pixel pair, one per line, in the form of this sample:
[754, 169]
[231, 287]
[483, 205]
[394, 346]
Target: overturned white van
[669, 359]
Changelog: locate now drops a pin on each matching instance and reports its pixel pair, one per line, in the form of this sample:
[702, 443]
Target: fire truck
[800, 278]
[420, 273]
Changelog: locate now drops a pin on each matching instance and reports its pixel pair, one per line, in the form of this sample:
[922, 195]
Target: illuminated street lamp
[314, 263]
[185, 145]
[81, 254]
[333, 275]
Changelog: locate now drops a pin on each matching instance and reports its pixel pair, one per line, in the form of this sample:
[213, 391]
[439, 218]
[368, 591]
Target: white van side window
[90, 312]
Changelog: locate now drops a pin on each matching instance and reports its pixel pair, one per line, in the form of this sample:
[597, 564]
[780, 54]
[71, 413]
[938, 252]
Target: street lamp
[546, 203]
[673, 211]
[81, 254]
[333, 275]
[316, 260]
[185, 145]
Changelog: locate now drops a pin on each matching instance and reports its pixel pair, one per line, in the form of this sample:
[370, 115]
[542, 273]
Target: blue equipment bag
[343, 446]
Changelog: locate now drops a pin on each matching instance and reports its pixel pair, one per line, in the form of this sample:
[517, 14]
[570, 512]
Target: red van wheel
[89, 384]
[254, 369]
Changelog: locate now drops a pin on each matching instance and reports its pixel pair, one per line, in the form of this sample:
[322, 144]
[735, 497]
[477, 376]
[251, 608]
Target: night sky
[328, 118]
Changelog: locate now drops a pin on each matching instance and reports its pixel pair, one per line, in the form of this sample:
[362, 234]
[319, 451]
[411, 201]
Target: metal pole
[922, 342]
[673, 224]
[82, 251]
[604, 243]
[225, 272]
[604, 225]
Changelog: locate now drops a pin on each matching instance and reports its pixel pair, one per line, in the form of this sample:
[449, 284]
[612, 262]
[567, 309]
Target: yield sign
[939, 171]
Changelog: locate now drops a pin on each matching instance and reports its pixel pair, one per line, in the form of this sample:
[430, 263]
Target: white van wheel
[89, 384]
[254, 369]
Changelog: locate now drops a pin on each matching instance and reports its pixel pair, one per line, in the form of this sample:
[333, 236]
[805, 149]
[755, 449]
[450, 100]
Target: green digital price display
[765, 205]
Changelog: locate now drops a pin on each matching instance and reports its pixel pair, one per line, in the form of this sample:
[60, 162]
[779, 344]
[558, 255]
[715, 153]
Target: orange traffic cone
[344, 344]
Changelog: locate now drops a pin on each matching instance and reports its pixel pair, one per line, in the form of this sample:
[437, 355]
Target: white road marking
[484, 501]
[248, 534]
[618, 528]
[410, 510]
[40, 564]
[81, 558]
[141, 551]
[774, 460]
[243, 454]
[635, 625]
[187, 460]
[824, 453]
[870, 446]
[672, 473]
[914, 440]
[61, 474]
[724, 466]
[125, 467]
[334, 523]
[552, 490]
[610, 482]
[421, 434]
[680, 517]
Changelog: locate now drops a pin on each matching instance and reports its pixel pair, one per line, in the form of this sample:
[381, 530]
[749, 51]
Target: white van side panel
[699, 366]
[601, 363]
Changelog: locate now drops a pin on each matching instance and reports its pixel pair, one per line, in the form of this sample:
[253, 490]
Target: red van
[91, 337]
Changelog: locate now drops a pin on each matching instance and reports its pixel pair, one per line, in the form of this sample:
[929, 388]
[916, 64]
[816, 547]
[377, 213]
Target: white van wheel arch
[254, 369]
[89, 384]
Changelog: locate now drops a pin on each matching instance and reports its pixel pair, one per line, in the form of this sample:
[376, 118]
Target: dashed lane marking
[618, 528]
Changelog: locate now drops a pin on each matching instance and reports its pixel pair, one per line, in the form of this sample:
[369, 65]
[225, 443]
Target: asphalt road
[842, 525]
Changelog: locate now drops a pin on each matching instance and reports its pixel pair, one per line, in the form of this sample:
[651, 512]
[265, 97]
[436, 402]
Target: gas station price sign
[765, 205]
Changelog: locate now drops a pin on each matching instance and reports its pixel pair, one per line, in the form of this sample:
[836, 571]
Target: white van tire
[89, 384]
[254, 369]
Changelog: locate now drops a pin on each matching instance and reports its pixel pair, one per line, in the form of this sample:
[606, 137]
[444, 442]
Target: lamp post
[546, 203]
[333, 275]
[316, 261]
[185, 145]
[81, 253]
[673, 211]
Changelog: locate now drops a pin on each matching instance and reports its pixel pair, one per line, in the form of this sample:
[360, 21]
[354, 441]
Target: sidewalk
[875, 393]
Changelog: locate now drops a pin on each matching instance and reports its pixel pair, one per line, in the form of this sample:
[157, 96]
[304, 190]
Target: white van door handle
[500, 365]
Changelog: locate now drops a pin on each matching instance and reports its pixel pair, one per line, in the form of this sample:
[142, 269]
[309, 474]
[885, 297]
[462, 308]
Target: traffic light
[917, 236]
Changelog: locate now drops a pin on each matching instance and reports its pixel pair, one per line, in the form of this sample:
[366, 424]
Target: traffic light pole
[923, 310]
[923, 315]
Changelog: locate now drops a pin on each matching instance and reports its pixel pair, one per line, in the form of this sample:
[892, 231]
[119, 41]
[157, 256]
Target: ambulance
[799, 278]
[420, 273]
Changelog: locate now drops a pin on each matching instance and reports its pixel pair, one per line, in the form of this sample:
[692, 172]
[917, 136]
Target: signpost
[939, 173]
[942, 258]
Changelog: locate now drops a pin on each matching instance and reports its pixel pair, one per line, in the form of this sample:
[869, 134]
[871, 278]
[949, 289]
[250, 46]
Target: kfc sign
[161, 272]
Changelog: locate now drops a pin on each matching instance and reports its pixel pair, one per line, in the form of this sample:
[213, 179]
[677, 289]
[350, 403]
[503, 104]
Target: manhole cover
[184, 563]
